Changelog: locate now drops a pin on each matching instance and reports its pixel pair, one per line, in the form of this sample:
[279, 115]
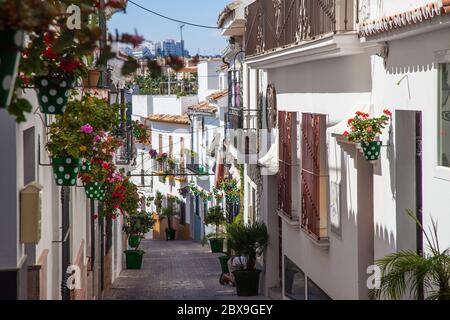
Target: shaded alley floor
[173, 270]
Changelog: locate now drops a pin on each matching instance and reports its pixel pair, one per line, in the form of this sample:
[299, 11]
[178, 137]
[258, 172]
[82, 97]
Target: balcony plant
[366, 131]
[215, 217]
[122, 195]
[249, 241]
[158, 202]
[67, 138]
[427, 274]
[184, 191]
[140, 133]
[169, 213]
[136, 226]
[94, 180]
[54, 62]
[16, 18]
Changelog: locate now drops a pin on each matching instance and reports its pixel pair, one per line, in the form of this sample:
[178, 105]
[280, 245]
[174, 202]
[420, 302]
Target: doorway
[408, 168]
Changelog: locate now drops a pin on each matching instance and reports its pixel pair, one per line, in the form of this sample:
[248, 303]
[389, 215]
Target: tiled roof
[169, 118]
[217, 95]
[203, 107]
[227, 11]
[188, 70]
[416, 16]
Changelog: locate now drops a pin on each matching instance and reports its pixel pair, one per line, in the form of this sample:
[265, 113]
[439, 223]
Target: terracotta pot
[94, 77]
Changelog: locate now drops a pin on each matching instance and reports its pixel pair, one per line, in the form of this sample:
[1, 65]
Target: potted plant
[216, 218]
[421, 275]
[14, 22]
[140, 133]
[66, 139]
[94, 180]
[169, 213]
[366, 130]
[136, 226]
[249, 241]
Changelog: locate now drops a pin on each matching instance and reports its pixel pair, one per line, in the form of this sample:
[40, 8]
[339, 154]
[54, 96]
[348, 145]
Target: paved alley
[181, 270]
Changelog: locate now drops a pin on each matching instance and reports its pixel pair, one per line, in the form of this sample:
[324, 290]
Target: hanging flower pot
[12, 42]
[95, 191]
[53, 94]
[371, 150]
[66, 170]
[85, 166]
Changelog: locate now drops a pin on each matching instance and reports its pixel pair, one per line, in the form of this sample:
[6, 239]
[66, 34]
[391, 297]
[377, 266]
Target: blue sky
[197, 40]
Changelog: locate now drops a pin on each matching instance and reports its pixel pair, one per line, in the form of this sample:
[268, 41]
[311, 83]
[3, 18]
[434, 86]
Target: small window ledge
[293, 222]
[323, 243]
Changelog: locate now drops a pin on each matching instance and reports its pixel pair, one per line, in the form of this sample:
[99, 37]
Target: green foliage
[215, 217]
[248, 240]
[407, 270]
[158, 201]
[66, 136]
[138, 224]
[168, 213]
[365, 129]
[19, 107]
[27, 15]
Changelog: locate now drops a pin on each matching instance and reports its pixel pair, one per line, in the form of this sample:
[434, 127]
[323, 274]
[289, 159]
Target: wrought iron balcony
[273, 24]
[195, 167]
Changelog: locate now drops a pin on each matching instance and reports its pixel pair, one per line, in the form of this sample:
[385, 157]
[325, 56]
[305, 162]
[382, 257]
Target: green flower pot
[85, 167]
[170, 234]
[216, 245]
[134, 259]
[224, 263]
[53, 94]
[247, 282]
[371, 150]
[95, 191]
[12, 42]
[133, 241]
[66, 171]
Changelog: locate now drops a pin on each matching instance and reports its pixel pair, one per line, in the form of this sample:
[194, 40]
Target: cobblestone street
[173, 270]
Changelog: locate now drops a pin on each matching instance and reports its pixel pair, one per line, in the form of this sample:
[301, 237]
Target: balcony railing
[196, 167]
[274, 24]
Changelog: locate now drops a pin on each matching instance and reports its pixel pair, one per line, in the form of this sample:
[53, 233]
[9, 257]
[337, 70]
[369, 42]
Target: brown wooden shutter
[170, 146]
[313, 129]
[286, 125]
[160, 143]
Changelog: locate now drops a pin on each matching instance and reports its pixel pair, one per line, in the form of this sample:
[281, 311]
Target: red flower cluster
[387, 112]
[49, 54]
[135, 40]
[68, 65]
[362, 114]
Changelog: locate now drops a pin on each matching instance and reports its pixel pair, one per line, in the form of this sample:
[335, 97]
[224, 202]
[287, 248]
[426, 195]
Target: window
[315, 293]
[314, 176]
[287, 122]
[444, 114]
[294, 281]
[298, 286]
[29, 156]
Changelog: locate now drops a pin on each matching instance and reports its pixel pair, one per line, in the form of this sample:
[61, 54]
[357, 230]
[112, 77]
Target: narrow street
[173, 270]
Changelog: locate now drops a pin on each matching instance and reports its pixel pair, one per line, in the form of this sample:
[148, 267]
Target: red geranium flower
[387, 112]
[345, 134]
[49, 54]
[350, 121]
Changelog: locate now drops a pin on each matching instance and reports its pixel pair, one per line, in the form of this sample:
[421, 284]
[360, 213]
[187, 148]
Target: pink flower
[87, 128]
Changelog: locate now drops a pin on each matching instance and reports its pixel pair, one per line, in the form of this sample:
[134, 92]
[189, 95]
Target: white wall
[208, 78]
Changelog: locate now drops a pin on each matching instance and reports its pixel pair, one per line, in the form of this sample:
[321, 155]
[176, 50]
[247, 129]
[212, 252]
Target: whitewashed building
[307, 73]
